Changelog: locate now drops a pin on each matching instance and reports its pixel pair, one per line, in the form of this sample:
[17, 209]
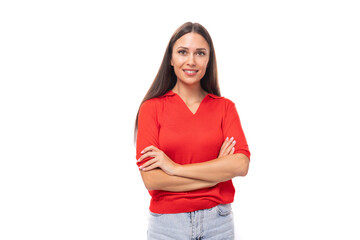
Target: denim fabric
[214, 224]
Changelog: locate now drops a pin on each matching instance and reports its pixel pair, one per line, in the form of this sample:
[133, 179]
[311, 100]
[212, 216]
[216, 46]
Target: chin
[190, 81]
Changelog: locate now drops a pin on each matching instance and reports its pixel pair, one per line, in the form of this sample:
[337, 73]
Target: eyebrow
[204, 49]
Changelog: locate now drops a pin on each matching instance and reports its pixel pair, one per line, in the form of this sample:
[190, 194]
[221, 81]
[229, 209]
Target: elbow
[243, 167]
[151, 180]
[149, 186]
[148, 183]
[242, 173]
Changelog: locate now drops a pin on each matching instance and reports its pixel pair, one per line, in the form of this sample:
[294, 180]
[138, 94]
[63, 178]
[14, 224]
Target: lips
[190, 72]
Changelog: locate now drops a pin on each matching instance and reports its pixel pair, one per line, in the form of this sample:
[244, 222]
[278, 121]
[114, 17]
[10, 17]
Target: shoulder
[153, 104]
[149, 106]
[156, 102]
[226, 102]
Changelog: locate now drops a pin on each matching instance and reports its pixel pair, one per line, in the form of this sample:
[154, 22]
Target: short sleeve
[148, 129]
[232, 128]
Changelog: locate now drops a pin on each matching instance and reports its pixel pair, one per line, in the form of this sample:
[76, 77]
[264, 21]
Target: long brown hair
[166, 79]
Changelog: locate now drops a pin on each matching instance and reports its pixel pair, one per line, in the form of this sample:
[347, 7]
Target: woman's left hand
[160, 160]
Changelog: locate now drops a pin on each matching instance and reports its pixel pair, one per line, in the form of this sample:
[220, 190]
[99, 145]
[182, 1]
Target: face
[190, 56]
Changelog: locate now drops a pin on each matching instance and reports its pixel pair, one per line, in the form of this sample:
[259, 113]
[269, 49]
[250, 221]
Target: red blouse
[167, 123]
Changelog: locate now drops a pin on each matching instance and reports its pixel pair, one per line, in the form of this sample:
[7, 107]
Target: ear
[171, 63]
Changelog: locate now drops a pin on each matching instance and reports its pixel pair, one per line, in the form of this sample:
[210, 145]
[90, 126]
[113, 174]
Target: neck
[193, 93]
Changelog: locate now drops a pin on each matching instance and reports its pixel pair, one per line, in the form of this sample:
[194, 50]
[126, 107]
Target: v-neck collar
[171, 93]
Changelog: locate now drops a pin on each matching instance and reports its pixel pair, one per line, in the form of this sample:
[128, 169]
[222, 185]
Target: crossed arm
[157, 179]
[161, 173]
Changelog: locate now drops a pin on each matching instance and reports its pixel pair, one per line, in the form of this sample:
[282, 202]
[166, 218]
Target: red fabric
[168, 124]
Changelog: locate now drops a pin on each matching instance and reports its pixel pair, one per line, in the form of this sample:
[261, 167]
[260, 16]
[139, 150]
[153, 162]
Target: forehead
[192, 41]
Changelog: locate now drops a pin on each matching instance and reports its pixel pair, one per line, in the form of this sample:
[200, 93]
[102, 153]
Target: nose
[191, 60]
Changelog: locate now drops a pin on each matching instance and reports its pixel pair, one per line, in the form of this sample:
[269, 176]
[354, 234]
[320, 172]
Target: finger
[232, 150]
[229, 148]
[148, 154]
[230, 139]
[149, 148]
[232, 144]
[224, 145]
[151, 167]
[221, 152]
[228, 142]
[148, 163]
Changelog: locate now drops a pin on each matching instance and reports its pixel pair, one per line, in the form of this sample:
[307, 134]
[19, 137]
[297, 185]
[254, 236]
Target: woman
[189, 143]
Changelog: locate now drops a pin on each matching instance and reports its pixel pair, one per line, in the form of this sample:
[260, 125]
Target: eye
[182, 52]
[201, 53]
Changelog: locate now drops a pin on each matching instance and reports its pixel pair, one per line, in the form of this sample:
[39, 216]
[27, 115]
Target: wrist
[177, 169]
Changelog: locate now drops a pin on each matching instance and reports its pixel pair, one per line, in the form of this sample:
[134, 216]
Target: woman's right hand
[228, 147]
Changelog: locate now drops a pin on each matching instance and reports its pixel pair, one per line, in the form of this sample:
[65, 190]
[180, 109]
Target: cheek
[204, 64]
[178, 61]
[177, 68]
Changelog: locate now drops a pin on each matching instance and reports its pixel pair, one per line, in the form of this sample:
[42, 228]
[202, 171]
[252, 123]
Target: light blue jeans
[214, 224]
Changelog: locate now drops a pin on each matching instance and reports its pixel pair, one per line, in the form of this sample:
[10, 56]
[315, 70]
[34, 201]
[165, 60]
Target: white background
[73, 74]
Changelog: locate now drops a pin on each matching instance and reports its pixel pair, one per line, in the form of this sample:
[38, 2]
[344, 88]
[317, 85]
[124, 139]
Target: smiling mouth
[188, 71]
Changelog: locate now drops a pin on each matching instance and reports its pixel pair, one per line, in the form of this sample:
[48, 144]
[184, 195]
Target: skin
[191, 52]
[160, 179]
